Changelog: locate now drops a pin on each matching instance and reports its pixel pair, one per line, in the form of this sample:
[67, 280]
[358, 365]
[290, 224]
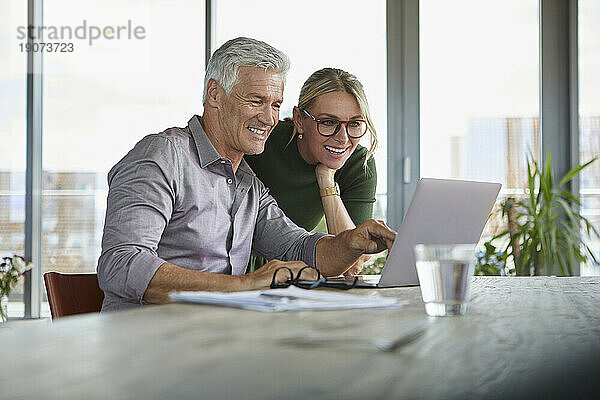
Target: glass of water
[445, 272]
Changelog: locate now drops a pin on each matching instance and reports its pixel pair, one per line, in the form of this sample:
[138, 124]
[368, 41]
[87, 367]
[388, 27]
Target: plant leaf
[568, 210]
[548, 174]
[567, 195]
[573, 172]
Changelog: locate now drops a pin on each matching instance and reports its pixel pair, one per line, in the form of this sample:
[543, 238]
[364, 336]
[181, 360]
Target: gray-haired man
[185, 210]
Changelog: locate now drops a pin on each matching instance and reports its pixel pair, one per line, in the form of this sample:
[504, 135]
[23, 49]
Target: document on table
[288, 299]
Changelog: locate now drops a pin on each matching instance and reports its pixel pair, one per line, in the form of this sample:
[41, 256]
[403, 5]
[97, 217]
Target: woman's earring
[300, 136]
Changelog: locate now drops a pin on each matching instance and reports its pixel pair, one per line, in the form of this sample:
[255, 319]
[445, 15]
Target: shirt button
[229, 180]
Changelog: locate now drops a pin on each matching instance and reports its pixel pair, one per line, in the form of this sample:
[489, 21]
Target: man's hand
[369, 238]
[263, 276]
[336, 255]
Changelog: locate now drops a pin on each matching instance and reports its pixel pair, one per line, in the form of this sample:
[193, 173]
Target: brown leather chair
[70, 294]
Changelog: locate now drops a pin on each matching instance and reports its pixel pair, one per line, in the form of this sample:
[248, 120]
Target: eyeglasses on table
[309, 284]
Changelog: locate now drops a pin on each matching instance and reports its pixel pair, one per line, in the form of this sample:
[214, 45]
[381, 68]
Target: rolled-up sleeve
[277, 237]
[141, 199]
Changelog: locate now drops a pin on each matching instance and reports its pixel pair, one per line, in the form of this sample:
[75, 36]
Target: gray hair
[225, 62]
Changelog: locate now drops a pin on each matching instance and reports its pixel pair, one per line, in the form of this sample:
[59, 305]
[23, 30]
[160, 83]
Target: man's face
[251, 111]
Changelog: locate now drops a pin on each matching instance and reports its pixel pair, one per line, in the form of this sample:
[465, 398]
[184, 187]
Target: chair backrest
[70, 294]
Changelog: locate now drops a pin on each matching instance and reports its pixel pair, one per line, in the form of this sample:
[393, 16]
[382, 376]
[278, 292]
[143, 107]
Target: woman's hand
[325, 176]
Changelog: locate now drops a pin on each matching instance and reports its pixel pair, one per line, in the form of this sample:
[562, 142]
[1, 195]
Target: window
[13, 81]
[343, 34]
[479, 91]
[102, 98]
[589, 118]
[478, 94]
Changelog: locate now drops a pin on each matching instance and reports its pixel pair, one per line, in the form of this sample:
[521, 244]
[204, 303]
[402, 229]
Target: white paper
[288, 299]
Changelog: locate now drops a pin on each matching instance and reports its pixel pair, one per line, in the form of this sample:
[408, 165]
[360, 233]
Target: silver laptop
[442, 211]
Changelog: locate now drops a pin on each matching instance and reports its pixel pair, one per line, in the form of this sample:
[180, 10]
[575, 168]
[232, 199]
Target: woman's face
[332, 151]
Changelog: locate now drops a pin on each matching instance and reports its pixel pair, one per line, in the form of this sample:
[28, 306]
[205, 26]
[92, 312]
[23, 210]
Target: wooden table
[522, 338]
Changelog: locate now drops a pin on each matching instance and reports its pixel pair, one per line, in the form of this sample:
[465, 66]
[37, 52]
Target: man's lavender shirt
[174, 199]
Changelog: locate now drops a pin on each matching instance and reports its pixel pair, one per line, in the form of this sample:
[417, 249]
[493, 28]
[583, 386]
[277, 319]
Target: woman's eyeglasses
[355, 128]
[308, 284]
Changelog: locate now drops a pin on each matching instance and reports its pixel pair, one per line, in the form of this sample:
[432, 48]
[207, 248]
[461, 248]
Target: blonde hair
[329, 80]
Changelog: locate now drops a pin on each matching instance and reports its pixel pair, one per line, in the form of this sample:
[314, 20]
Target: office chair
[70, 294]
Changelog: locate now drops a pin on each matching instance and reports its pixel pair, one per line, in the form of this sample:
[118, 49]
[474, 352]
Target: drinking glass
[445, 272]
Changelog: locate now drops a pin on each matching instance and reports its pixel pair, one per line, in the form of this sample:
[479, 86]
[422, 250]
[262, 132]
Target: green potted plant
[544, 227]
[11, 269]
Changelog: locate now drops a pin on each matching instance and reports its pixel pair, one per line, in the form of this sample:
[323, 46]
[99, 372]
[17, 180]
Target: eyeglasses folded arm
[321, 281]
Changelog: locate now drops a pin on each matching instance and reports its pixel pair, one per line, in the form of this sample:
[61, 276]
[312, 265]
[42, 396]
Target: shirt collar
[206, 151]
[245, 167]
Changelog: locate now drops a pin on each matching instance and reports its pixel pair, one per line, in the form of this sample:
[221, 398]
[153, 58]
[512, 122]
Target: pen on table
[381, 344]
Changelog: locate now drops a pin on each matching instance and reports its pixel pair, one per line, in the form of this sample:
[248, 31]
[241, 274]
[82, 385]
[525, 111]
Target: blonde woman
[314, 165]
